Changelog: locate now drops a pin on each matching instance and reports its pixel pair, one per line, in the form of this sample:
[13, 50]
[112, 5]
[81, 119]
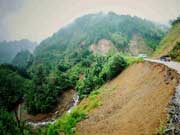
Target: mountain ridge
[9, 49]
[90, 29]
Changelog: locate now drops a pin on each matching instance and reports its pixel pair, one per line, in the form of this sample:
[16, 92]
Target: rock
[173, 126]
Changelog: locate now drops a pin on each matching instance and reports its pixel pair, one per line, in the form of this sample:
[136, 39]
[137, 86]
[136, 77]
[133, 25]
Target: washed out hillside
[101, 74]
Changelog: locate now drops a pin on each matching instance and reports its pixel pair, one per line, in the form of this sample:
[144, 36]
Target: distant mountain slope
[23, 59]
[169, 41]
[75, 38]
[8, 50]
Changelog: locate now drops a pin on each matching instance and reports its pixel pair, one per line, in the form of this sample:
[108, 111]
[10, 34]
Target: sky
[38, 19]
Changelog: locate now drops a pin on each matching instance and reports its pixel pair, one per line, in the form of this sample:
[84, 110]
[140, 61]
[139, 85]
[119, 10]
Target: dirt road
[133, 103]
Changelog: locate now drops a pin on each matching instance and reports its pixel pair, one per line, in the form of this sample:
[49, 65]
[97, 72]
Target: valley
[99, 75]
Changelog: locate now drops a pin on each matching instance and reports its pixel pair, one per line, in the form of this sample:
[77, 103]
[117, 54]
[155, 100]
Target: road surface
[171, 64]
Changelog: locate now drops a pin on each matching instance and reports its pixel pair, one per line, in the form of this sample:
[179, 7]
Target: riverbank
[66, 100]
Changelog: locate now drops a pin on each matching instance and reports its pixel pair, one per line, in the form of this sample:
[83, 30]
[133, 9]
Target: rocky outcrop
[173, 125]
[103, 47]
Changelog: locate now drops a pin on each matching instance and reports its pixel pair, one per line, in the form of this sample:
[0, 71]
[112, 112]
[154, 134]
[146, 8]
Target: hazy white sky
[38, 19]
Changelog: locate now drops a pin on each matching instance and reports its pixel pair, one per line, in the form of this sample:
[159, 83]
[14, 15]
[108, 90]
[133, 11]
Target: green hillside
[69, 43]
[170, 40]
[23, 59]
[175, 52]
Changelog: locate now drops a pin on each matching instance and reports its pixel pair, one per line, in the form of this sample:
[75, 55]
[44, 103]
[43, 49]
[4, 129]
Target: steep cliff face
[137, 45]
[103, 47]
[133, 103]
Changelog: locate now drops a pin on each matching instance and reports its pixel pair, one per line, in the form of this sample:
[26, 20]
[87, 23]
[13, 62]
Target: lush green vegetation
[72, 42]
[8, 125]
[169, 41]
[113, 67]
[23, 60]
[175, 52]
[85, 76]
[41, 96]
[12, 88]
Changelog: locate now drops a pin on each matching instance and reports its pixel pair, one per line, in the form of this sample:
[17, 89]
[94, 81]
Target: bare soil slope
[103, 47]
[133, 103]
[137, 46]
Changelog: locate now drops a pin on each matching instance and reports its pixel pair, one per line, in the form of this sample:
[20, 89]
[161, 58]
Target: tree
[113, 67]
[23, 59]
[41, 96]
[175, 52]
[12, 89]
[176, 21]
[8, 125]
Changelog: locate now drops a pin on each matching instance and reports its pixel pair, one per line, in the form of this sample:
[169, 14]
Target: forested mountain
[123, 31]
[8, 50]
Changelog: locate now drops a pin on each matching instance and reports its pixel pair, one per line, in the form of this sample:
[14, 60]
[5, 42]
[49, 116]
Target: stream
[53, 120]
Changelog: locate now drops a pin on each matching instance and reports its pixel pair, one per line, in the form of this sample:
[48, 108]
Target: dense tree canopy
[23, 59]
[12, 87]
[175, 52]
[104, 69]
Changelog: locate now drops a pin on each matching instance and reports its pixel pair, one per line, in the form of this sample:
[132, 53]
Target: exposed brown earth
[64, 103]
[133, 103]
[137, 45]
[103, 47]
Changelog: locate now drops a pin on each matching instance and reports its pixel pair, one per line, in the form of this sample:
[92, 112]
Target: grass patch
[161, 129]
[131, 60]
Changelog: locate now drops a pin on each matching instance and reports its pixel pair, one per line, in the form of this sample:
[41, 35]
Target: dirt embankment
[133, 103]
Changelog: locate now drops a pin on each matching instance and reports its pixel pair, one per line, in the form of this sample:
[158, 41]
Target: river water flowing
[53, 120]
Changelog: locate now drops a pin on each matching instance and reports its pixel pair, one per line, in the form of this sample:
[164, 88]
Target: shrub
[113, 67]
[175, 52]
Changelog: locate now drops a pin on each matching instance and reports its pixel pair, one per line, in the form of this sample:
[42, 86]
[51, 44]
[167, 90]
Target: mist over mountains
[9, 49]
